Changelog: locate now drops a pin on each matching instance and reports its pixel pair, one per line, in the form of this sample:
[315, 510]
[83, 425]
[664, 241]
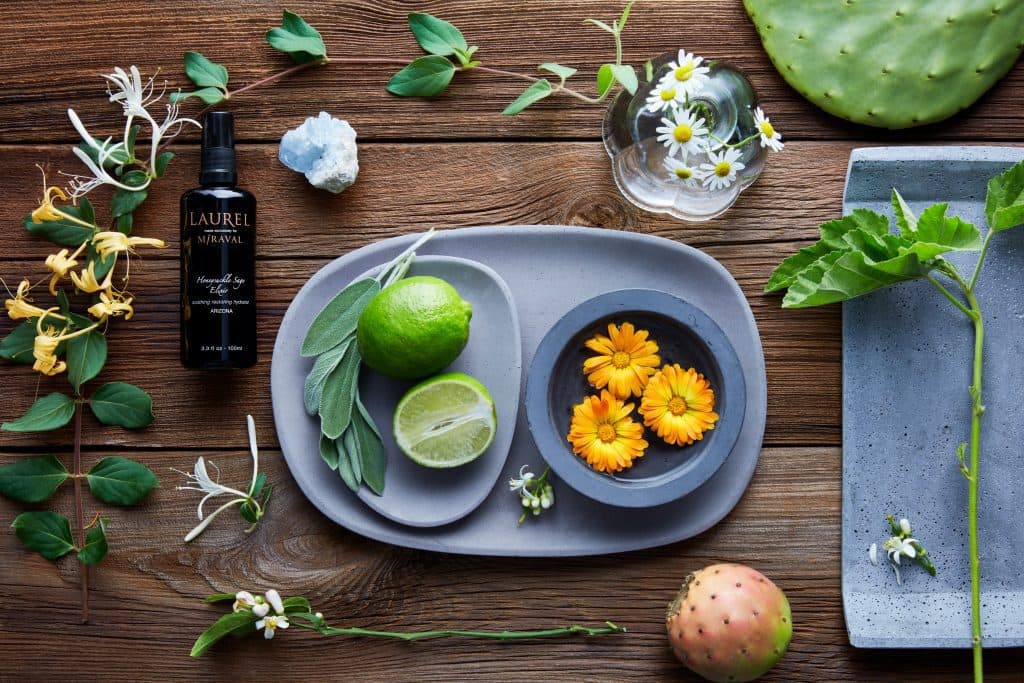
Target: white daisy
[684, 172]
[686, 73]
[683, 133]
[664, 97]
[721, 172]
[769, 136]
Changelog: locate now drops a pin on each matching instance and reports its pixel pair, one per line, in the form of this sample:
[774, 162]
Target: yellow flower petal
[679, 405]
[603, 434]
[625, 362]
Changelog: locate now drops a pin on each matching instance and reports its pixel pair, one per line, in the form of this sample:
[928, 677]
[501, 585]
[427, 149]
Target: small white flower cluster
[686, 134]
[536, 493]
[901, 544]
[260, 606]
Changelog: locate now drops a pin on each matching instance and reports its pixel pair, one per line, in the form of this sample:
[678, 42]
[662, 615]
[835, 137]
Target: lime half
[445, 421]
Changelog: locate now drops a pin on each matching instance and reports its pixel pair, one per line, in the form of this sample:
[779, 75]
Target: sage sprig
[448, 52]
[350, 442]
[858, 254]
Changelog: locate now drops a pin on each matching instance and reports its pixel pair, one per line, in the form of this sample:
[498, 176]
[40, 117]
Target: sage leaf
[351, 453]
[533, 94]
[297, 39]
[626, 75]
[905, 218]
[605, 79]
[44, 532]
[121, 404]
[209, 96]
[18, 345]
[437, 36]
[346, 448]
[50, 412]
[339, 394]
[563, 72]
[86, 356]
[1004, 203]
[338, 319]
[372, 456]
[120, 481]
[33, 479]
[423, 77]
[234, 623]
[204, 72]
[65, 232]
[361, 407]
[95, 548]
[329, 452]
[324, 366]
[162, 160]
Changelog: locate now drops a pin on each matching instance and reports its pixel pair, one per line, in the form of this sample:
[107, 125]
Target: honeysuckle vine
[269, 613]
[858, 254]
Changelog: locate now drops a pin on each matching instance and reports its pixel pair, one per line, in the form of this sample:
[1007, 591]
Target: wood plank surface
[449, 162]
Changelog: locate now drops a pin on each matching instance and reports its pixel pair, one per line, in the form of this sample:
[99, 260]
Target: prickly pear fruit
[729, 623]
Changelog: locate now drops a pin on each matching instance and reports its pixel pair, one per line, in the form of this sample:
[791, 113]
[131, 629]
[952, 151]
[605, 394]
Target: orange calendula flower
[626, 359]
[679, 405]
[603, 433]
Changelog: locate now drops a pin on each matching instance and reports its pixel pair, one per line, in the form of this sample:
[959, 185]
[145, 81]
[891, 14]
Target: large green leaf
[120, 481]
[338, 319]
[297, 39]
[50, 412]
[436, 36]
[204, 72]
[626, 76]
[339, 394]
[1004, 204]
[125, 405]
[63, 231]
[844, 275]
[18, 345]
[95, 548]
[951, 233]
[44, 532]
[32, 480]
[786, 272]
[533, 94]
[905, 218]
[424, 77]
[86, 356]
[832, 232]
[234, 623]
[209, 96]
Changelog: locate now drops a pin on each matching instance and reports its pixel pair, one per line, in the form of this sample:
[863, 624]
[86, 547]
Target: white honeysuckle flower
[253, 450]
[200, 480]
[271, 624]
[274, 598]
[770, 137]
[243, 600]
[721, 171]
[81, 184]
[665, 96]
[686, 74]
[683, 132]
[905, 526]
[682, 171]
[873, 554]
[525, 477]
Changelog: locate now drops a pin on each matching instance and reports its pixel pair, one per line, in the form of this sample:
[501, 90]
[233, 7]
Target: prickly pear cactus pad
[891, 63]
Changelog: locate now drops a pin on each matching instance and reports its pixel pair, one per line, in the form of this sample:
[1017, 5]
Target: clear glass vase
[726, 101]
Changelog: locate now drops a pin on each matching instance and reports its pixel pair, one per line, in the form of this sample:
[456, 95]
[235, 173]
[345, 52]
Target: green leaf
[339, 394]
[125, 405]
[535, 93]
[786, 272]
[63, 231]
[86, 356]
[324, 366]
[234, 623]
[328, 452]
[50, 412]
[44, 532]
[103, 265]
[125, 202]
[605, 79]
[33, 479]
[120, 481]
[18, 345]
[563, 72]
[845, 275]
[1004, 204]
[297, 39]
[117, 154]
[205, 73]
[209, 96]
[625, 75]
[248, 513]
[600, 24]
[436, 36]
[945, 233]
[95, 548]
[648, 71]
[219, 597]
[625, 15]
[905, 218]
[832, 232]
[424, 77]
[348, 459]
[257, 486]
[337, 320]
[129, 141]
[162, 160]
[372, 456]
[123, 225]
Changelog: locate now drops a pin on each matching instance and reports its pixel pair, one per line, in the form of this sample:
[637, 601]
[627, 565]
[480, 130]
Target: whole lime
[414, 328]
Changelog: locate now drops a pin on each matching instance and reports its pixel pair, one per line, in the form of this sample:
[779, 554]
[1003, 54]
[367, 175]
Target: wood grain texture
[512, 35]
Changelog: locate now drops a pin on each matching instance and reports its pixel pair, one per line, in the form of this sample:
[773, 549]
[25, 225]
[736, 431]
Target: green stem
[981, 259]
[524, 77]
[977, 409]
[492, 635]
[949, 295]
[79, 512]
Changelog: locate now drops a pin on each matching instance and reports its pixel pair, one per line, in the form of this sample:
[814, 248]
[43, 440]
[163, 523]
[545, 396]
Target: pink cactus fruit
[729, 623]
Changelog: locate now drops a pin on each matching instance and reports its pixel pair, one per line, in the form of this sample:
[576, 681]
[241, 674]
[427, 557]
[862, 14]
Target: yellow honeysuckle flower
[112, 304]
[44, 351]
[87, 281]
[47, 211]
[60, 263]
[19, 307]
[109, 242]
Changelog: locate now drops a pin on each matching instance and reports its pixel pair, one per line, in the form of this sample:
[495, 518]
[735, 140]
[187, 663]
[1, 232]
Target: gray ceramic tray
[549, 270]
[906, 358]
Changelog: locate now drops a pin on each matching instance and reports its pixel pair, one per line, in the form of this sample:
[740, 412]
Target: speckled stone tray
[906, 368]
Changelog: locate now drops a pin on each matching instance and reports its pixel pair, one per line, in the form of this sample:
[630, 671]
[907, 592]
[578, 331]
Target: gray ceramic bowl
[686, 335]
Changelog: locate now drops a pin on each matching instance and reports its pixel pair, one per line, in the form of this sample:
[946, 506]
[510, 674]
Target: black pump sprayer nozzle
[218, 157]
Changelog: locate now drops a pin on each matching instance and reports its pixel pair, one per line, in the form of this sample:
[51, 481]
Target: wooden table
[450, 162]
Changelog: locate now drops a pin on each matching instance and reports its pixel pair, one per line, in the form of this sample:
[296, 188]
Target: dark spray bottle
[218, 258]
